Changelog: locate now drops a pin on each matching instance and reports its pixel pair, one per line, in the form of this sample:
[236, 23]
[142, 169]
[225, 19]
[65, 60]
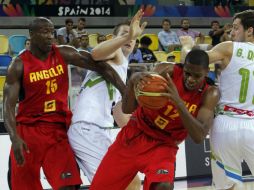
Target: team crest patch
[66, 175]
[162, 171]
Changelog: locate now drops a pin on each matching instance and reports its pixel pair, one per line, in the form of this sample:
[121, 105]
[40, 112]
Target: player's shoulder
[66, 50]
[16, 67]
[65, 47]
[212, 92]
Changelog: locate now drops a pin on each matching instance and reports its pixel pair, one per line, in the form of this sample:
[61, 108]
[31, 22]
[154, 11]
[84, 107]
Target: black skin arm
[197, 127]
[11, 94]
[84, 59]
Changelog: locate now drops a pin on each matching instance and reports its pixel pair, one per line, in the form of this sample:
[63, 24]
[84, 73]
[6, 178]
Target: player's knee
[161, 186]
[135, 184]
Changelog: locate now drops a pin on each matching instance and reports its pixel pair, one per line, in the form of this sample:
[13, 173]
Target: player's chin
[190, 87]
[47, 48]
[127, 49]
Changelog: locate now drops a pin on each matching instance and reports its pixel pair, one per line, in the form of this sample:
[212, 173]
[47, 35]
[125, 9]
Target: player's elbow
[197, 140]
[95, 55]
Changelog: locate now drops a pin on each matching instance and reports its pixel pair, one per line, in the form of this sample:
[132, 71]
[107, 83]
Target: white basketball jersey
[236, 82]
[96, 98]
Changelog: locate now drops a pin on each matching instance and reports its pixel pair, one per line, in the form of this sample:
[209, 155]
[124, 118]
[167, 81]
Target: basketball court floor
[202, 184]
[205, 184]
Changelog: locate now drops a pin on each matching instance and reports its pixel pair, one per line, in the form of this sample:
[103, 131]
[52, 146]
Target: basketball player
[90, 133]
[149, 142]
[232, 133]
[38, 79]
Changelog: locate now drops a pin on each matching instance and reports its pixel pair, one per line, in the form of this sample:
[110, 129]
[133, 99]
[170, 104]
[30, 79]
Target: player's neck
[39, 54]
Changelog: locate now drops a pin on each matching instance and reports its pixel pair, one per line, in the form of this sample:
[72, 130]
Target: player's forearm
[129, 103]
[9, 118]
[110, 75]
[195, 128]
[108, 48]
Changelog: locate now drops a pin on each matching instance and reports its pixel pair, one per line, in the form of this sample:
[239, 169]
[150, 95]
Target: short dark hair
[214, 21]
[247, 18]
[197, 57]
[68, 20]
[137, 41]
[36, 23]
[82, 19]
[145, 40]
[184, 20]
[27, 40]
[166, 20]
[117, 27]
[101, 36]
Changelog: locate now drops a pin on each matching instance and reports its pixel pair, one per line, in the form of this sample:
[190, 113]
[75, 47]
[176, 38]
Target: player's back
[96, 98]
[236, 82]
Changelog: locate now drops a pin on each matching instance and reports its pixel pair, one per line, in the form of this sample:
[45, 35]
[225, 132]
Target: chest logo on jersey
[46, 74]
[171, 112]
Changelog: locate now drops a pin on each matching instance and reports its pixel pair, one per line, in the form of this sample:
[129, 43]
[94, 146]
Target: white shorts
[231, 142]
[89, 143]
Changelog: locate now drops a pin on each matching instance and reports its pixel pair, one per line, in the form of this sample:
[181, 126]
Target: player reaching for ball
[149, 142]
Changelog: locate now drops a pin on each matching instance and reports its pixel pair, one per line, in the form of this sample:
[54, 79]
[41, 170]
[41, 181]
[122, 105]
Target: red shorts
[49, 148]
[132, 152]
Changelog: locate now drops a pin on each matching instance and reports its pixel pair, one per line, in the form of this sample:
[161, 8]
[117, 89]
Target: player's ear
[250, 31]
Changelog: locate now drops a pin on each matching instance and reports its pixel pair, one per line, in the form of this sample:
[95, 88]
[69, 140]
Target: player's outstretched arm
[84, 59]
[111, 49]
[196, 127]
[11, 93]
[221, 52]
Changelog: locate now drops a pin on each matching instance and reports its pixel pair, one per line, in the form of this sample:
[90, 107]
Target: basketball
[150, 95]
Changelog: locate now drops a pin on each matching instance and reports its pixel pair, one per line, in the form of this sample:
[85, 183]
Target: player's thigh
[247, 144]
[89, 143]
[27, 176]
[116, 170]
[160, 169]
[60, 166]
[225, 144]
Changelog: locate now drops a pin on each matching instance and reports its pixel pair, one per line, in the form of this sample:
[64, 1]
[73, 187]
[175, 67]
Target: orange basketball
[149, 96]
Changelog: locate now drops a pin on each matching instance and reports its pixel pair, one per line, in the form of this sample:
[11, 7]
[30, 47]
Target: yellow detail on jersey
[50, 106]
[46, 74]
[161, 122]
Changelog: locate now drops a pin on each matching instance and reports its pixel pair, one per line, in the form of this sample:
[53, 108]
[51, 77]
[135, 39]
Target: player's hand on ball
[141, 79]
[172, 92]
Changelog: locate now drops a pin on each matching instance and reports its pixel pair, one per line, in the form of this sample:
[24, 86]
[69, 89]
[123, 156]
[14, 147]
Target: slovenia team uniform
[148, 143]
[232, 133]
[42, 121]
[90, 132]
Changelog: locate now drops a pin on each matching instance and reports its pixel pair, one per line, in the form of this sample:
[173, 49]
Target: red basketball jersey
[165, 123]
[44, 89]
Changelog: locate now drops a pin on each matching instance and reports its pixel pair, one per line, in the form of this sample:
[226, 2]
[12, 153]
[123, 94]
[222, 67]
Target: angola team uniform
[42, 121]
[148, 143]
